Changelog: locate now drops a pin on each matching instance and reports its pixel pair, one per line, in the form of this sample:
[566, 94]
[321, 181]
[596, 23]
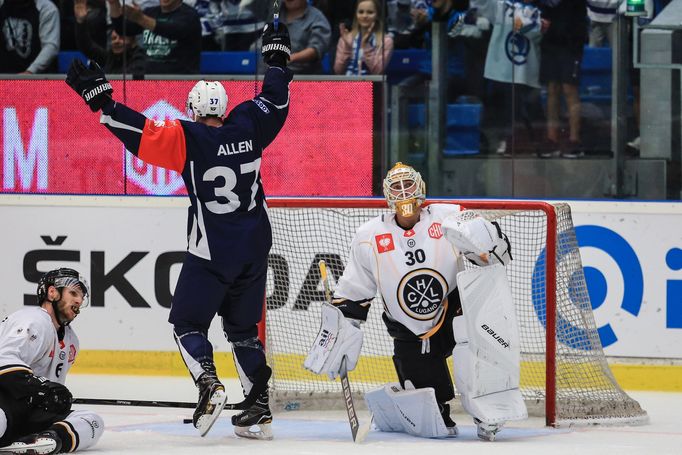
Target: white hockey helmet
[404, 189]
[207, 98]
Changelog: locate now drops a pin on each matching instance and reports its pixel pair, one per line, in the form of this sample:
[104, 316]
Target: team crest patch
[72, 353]
[409, 233]
[421, 293]
[435, 231]
[384, 243]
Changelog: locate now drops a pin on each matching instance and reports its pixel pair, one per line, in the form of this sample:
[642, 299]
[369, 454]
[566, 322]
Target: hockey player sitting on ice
[414, 260]
[229, 236]
[37, 348]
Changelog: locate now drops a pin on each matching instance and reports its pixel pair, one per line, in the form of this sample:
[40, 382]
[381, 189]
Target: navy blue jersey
[219, 165]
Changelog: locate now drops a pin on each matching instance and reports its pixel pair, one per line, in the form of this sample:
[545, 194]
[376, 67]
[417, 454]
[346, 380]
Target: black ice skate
[44, 443]
[212, 398]
[487, 431]
[449, 423]
[255, 422]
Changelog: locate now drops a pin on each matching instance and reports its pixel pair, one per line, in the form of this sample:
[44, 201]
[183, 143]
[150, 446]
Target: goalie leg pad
[487, 353]
[338, 338]
[414, 411]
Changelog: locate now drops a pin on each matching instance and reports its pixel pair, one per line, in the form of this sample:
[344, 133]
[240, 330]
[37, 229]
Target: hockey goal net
[564, 373]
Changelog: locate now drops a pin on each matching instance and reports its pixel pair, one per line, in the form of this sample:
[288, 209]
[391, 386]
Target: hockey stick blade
[348, 399]
[259, 385]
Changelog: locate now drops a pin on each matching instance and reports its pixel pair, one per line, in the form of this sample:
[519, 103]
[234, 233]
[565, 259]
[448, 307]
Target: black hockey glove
[276, 48]
[49, 396]
[90, 83]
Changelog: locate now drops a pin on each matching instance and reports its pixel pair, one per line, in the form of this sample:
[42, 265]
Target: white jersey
[28, 338]
[413, 271]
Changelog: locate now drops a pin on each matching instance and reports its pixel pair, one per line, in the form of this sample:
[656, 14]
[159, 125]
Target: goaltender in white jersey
[37, 348]
[413, 259]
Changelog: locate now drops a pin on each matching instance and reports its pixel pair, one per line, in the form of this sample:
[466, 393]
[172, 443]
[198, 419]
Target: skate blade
[453, 432]
[206, 421]
[40, 447]
[261, 431]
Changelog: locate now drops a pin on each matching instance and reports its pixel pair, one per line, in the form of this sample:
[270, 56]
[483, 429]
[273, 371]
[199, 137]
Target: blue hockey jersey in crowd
[514, 55]
[220, 166]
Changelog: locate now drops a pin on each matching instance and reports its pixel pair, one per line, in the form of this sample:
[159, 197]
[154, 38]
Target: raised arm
[161, 143]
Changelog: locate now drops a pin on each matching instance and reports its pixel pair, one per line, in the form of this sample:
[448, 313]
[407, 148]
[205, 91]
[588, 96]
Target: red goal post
[564, 373]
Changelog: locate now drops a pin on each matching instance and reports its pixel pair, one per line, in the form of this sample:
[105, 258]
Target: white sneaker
[487, 431]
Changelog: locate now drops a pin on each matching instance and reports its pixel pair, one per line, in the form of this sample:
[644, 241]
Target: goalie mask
[207, 98]
[404, 189]
[62, 278]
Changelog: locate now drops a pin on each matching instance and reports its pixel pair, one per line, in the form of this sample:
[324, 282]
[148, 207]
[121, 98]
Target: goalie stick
[259, 385]
[359, 432]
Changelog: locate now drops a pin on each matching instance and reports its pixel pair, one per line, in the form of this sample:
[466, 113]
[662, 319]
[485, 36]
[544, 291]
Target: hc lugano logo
[421, 293]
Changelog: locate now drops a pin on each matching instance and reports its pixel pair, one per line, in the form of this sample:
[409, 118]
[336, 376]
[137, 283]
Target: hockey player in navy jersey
[38, 346]
[229, 234]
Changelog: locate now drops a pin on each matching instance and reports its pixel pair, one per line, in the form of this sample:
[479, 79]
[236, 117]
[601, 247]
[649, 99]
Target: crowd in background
[498, 50]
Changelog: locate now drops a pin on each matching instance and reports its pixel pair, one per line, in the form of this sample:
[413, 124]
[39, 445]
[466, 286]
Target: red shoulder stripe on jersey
[163, 144]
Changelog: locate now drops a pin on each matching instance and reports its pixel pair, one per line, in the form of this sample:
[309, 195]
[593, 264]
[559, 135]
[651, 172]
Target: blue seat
[405, 62]
[64, 59]
[462, 127]
[596, 71]
[326, 64]
[227, 63]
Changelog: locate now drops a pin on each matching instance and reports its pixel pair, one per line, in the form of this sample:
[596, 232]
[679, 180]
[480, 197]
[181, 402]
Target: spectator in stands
[562, 54]
[602, 14]
[171, 36]
[29, 36]
[465, 54]
[95, 23]
[310, 34]
[337, 12]
[365, 48]
[231, 25]
[110, 60]
[513, 64]
[402, 24]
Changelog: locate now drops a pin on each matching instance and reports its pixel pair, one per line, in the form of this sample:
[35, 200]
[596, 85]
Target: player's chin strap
[260, 383]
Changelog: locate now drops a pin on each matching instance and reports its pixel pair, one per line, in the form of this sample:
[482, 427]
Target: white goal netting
[572, 383]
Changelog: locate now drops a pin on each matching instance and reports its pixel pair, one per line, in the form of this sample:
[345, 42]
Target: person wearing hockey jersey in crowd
[171, 33]
[411, 258]
[513, 66]
[38, 346]
[229, 233]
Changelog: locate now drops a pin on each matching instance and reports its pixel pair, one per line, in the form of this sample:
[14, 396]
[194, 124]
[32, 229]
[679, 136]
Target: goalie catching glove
[90, 84]
[276, 48]
[479, 240]
[339, 337]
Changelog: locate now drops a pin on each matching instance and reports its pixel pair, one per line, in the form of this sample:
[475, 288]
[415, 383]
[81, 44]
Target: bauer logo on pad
[384, 243]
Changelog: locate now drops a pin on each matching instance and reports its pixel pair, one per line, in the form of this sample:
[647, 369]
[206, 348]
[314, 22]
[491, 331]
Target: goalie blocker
[338, 337]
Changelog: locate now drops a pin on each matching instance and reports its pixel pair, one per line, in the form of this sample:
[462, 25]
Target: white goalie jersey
[413, 270]
[28, 338]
